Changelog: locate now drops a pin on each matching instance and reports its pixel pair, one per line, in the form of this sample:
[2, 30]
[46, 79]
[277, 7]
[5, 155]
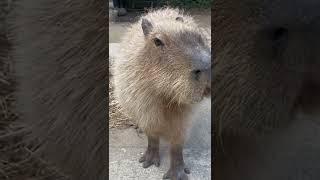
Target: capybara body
[265, 75]
[163, 68]
[158, 80]
[59, 62]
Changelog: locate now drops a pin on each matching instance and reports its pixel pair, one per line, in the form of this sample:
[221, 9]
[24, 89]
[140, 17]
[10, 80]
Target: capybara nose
[201, 65]
[290, 34]
[287, 19]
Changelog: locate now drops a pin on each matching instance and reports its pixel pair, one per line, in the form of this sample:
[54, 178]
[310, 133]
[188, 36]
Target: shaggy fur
[153, 84]
[156, 81]
[266, 68]
[59, 56]
[253, 66]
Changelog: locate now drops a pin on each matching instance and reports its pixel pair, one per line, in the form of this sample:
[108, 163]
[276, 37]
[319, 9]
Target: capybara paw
[178, 173]
[150, 157]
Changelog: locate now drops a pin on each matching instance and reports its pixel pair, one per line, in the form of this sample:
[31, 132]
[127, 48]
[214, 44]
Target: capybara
[266, 89]
[162, 70]
[58, 54]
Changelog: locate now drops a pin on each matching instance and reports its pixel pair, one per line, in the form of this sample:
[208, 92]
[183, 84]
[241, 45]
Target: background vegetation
[191, 3]
[186, 4]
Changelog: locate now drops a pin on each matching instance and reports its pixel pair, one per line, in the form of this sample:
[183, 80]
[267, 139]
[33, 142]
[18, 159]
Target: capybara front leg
[151, 156]
[178, 170]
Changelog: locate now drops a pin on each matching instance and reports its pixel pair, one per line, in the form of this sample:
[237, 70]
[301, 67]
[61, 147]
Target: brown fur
[59, 52]
[154, 85]
[249, 70]
[157, 94]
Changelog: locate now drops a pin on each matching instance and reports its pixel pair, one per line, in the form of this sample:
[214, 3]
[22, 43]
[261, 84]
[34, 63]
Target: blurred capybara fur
[266, 92]
[58, 54]
[162, 69]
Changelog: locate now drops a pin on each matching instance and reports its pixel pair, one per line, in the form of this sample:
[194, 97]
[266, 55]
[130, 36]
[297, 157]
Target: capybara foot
[151, 156]
[177, 173]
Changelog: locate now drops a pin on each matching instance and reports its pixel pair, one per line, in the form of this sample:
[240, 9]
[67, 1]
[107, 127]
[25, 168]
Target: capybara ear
[146, 26]
[179, 19]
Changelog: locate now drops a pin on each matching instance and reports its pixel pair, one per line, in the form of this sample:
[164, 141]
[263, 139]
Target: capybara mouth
[207, 92]
[309, 99]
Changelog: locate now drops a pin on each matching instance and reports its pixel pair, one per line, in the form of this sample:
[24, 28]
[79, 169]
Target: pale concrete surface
[113, 51]
[126, 147]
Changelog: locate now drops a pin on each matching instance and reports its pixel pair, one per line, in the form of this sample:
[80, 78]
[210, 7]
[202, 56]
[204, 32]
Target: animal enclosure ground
[116, 118]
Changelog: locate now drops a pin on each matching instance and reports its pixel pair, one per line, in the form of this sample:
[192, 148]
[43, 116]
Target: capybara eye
[158, 42]
[179, 19]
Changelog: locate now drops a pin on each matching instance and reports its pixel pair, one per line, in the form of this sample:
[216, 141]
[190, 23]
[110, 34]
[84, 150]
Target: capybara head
[266, 61]
[177, 56]
[171, 55]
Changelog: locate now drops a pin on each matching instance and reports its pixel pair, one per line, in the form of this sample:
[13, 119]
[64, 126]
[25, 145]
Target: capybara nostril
[279, 33]
[279, 37]
[196, 74]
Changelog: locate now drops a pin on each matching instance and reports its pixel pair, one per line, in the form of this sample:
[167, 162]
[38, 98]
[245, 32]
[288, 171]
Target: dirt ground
[116, 118]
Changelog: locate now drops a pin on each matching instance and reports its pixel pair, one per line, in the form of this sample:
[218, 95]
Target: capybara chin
[163, 68]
